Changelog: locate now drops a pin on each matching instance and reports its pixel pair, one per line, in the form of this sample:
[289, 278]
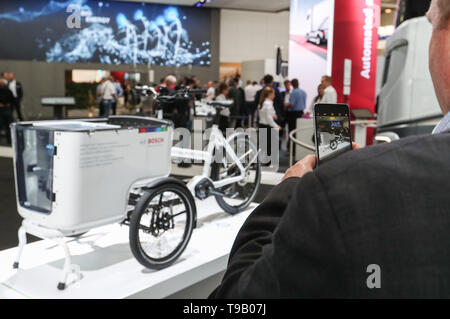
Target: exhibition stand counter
[110, 271]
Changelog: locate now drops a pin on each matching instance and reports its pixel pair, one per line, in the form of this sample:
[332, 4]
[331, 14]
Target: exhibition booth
[146, 202]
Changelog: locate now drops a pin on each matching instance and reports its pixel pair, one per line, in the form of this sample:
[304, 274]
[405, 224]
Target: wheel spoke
[246, 188]
[181, 213]
[161, 236]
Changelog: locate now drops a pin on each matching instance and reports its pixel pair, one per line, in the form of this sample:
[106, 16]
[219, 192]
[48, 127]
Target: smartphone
[332, 131]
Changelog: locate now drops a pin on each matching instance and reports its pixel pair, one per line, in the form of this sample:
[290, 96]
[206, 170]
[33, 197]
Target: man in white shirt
[329, 94]
[119, 93]
[250, 93]
[108, 93]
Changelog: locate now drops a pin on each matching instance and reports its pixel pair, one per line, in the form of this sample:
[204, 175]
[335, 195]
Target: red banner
[355, 46]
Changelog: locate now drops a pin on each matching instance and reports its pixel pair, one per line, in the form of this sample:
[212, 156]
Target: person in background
[267, 117]
[296, 106]
[176, 111]
[235, 94]
[329, 93]
[249, 93]
[239, 82]
[4, 77]
[256, 88]
[243, 112]
[225, 112]
[167, 85]
[127, 92]
[180, 84]
[16, 89]
[318, 99]
[119, 93]
[193, 84]
[211, 91]
[108, 94]
[285, 95]
[197, 84]
[277, 102]
[98, 94]
[6, 102]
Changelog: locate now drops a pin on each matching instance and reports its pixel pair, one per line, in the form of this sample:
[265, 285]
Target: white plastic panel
[93, 173]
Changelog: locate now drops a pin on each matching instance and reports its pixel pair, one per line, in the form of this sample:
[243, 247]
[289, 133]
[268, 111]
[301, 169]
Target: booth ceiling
[253, 5]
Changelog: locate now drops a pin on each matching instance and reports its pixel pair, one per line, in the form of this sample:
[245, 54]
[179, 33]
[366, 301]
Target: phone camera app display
[333, 135]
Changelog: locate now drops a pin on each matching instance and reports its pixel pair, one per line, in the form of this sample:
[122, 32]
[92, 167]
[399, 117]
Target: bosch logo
[155, 140]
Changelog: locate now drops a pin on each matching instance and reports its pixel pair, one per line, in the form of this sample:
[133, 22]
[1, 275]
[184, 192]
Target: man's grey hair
[171, 79]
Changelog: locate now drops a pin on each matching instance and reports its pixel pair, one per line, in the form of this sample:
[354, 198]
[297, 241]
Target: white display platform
[109, 268]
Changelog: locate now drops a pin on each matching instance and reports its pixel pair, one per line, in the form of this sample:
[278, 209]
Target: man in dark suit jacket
[235, 94]
[372, 223]
[6, 100]
[16, 89]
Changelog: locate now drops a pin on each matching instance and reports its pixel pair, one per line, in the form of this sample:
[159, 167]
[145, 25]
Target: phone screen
[332, 130]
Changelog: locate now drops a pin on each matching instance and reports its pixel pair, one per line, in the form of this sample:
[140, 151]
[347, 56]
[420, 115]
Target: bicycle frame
[215, 142]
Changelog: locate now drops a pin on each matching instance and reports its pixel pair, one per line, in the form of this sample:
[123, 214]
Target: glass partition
[34, 168]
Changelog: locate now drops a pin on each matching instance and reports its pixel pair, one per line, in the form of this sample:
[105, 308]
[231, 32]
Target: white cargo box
[75, 175]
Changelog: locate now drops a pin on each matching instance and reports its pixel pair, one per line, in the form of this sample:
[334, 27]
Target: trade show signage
[310, 43]
[355, 46]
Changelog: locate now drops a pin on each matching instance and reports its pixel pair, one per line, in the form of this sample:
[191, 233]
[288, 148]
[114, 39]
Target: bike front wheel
[161, 225]
[238, 196]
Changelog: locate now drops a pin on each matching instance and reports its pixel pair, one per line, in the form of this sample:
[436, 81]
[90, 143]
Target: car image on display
[319, 36]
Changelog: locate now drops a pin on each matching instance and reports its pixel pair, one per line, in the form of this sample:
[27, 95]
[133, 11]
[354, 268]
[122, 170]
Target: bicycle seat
[221, 103]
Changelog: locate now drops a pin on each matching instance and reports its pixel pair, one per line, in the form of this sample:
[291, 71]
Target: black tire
[250, 194]
[333, 144]
[136, 228]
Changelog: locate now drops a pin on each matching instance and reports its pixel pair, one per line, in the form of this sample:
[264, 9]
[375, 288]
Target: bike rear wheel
[240, 194]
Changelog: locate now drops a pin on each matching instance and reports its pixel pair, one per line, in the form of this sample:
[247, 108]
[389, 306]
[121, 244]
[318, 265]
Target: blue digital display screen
[336, 123]
[108, 32]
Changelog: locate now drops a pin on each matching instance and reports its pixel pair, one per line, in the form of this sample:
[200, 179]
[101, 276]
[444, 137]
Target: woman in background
[317, 99]
[267, 116]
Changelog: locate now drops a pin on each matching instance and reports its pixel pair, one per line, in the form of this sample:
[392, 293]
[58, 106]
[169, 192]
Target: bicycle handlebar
[179, 94]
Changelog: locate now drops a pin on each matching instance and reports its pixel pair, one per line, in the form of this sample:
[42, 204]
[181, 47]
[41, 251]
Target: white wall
[249, 35]
[256, 69]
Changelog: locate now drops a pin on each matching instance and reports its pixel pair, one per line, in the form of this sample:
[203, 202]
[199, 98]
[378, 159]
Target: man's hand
[302, 167]
[307, 165]
[355, 146]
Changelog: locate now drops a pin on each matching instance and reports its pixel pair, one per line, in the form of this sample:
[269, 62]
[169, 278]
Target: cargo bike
[75, 175]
